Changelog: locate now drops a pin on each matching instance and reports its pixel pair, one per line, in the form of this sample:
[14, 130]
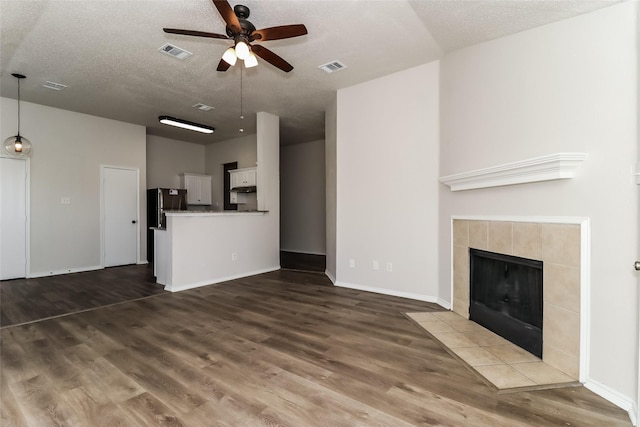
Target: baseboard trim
[444, 304]
[178, 288]
[330, 276]
[391, 292]
[65, 271]
[614, 397]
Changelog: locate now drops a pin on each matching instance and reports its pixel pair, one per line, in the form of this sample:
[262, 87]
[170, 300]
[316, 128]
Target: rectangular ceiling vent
[175, 51]
[203, 107]
[54, 85]
[332, 67]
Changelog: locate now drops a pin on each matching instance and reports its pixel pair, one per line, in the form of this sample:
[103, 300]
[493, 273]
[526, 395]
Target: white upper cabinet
[245, 177]
[198, 188]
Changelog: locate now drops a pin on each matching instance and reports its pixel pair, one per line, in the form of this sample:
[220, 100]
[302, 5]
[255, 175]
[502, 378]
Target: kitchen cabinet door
[250, 177]
[198, 189]
[243, 177]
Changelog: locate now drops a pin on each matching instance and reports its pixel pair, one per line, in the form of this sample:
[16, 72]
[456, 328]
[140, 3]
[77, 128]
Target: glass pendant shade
[242, 50]
[251, 61]
[17, 146]
[229, 56]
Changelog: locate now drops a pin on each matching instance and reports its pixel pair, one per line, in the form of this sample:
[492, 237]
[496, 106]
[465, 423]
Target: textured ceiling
[106, 52]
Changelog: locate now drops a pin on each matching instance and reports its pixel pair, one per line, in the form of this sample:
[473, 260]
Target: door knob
[133, 222]
[636, 265]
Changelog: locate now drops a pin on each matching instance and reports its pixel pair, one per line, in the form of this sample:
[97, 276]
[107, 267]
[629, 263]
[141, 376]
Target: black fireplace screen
[506, 297]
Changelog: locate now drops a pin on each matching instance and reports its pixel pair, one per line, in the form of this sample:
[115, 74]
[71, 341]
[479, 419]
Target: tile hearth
[501, 363]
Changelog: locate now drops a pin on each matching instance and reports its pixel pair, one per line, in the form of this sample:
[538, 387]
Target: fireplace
[506, 297]
[560, 246]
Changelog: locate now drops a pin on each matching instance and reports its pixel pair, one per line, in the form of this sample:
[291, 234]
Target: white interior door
[120, 215]
[13, 218]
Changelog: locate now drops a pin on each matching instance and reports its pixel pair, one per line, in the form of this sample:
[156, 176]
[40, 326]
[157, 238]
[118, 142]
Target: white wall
[68, 150]
[387, 183]
[268, 176]
[302, 198]
[168, 158]
[564, 87]
[242, 150]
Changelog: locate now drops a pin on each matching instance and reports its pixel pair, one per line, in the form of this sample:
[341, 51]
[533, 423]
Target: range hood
[247, 189]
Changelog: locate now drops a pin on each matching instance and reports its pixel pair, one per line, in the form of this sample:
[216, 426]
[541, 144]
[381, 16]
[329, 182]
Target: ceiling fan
[243, 33]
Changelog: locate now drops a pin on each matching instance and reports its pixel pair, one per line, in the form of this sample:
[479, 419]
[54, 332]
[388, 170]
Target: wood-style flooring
[277, 349]
[26, 300]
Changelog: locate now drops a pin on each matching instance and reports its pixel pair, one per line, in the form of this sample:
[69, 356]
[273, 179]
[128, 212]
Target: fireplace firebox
[506, 297]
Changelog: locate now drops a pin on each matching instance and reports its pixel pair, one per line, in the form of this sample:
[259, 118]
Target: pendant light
[17, 145]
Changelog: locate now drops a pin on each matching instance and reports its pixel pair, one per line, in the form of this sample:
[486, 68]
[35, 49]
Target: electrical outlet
[234, 256]
[352, 263]
[66, 200]
[389, 267]
[376, 265]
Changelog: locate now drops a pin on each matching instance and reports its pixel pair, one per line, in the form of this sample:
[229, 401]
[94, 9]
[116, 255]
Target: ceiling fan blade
[195, 33]
[271, 58]
[223, 65]
[228, 15]
[280, 32]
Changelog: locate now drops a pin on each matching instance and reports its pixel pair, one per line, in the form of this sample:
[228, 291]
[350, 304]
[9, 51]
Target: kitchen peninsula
[200, 248]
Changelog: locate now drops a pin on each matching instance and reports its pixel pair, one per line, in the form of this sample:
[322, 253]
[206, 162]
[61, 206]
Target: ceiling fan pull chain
[241, 130]
[241, 109]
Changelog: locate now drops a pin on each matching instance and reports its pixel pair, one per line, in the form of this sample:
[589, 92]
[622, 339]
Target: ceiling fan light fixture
[229, 56]
[242, 50]
[251, 61]
[185, 124]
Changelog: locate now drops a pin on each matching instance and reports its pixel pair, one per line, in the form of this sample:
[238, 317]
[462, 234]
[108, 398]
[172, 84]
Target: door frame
[226, 186]
[102, 210]
[27, 208]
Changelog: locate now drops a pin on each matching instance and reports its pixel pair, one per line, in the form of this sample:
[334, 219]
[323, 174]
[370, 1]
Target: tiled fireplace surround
[558, 245]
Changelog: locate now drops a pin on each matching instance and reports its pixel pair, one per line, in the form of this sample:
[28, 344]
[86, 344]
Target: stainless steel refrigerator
[160, 200]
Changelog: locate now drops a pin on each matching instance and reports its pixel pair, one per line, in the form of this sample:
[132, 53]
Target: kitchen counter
[202, 247]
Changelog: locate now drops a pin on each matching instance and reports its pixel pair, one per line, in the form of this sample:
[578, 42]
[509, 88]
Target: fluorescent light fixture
[184, 124]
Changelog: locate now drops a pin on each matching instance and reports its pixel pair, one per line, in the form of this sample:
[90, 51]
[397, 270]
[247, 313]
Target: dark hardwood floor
[277, 349]
[27, 300]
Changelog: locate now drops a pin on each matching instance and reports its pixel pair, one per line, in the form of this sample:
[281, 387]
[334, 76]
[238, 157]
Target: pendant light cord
[18, 106]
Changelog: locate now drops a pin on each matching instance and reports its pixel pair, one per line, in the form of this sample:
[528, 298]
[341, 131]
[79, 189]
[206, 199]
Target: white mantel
[544, 168]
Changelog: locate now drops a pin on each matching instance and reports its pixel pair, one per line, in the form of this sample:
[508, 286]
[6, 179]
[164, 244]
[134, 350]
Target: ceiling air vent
[203, 107]
[175, 51]
[54, 85]
[332, 67]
